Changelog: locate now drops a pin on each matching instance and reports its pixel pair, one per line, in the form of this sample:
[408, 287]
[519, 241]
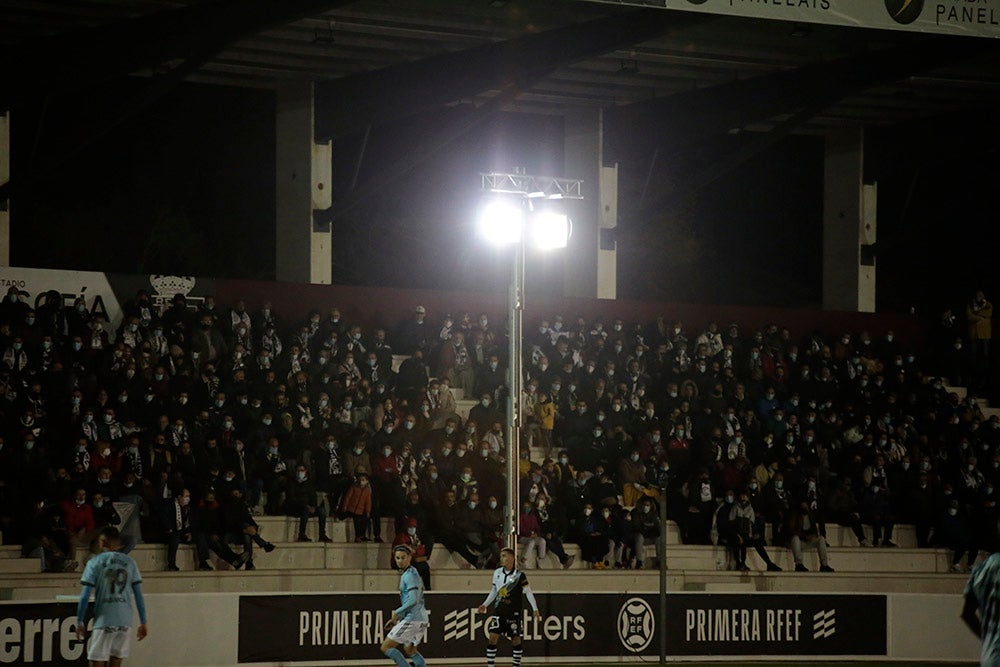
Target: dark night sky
[187, 186]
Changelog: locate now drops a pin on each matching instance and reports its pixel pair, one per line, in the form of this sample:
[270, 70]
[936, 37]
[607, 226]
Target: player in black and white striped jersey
[507, 594]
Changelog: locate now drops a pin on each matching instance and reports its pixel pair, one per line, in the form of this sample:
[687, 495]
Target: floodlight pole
[526, 187]
[515, 379]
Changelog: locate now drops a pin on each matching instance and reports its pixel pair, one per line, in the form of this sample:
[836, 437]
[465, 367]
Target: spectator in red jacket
[357, 503]
[78, 516]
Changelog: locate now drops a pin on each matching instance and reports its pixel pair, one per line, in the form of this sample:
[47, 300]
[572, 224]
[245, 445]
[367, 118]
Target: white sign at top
[972, 18]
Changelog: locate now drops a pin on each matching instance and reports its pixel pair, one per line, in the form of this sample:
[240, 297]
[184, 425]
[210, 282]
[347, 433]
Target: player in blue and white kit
[409, 621]
[115, 580]
[510, 588]
[982, 608]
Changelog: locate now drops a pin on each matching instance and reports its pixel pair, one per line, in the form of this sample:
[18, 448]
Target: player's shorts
[107, 643]
[406, 632]
[509, 627]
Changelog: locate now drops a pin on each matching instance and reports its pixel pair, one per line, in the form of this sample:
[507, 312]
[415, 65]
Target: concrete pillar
[4, 177]
[583, 154]
[607, 230]
[848, 284]
[303, 246]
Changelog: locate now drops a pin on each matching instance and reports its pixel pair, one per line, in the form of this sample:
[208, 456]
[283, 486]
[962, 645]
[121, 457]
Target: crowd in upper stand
[186, 422]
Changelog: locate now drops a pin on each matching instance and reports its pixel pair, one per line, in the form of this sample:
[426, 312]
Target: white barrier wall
[204, 629]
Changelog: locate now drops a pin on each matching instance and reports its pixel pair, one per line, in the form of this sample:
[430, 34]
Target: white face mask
[493, 504]
[411, 530]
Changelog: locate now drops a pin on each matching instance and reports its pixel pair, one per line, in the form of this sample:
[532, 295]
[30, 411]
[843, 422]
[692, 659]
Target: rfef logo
[824, 623]
[636, 624]
[458, 624]
[904, 11]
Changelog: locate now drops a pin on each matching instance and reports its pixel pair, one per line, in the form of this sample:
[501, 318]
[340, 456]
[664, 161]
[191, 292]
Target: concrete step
[38, 586]
[463, 406]
[20, 566]
[286, 529]
[10, 551]
[372, 556]
[398, 359]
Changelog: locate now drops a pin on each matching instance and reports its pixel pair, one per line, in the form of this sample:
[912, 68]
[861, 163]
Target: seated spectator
[449, 528]
[207, 526]
[592, 537]
[877, 511]
[106, 516]
[805, 528]
[47, 539]
[954, 533]
[357, 504]
[78, 517]
[553, 523]
[303, 501]
[410, 536]
[646, 530]
[241, 528]
[176, 517]
[745, 531]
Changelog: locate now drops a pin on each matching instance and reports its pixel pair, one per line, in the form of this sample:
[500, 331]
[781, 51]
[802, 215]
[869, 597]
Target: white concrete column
[4, 177]
[607, 230]
[583, 153]
[847, 284]
[303, 250]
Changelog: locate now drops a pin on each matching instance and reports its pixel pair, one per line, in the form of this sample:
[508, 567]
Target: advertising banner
[606, 625]
[104, 293]
[974, 18]
[32, 634]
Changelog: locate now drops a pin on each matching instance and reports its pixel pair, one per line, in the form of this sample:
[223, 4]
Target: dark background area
[186, 186]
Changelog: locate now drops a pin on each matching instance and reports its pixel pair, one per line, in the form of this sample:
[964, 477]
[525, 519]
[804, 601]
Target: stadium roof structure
[391, 57]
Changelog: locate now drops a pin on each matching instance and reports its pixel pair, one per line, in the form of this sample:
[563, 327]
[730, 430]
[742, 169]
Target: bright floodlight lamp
[501, 221]
[550, 229]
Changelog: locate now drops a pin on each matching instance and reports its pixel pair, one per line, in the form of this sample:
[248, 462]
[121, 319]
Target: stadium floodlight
[550, 229]
[501, 221]
[518, 207]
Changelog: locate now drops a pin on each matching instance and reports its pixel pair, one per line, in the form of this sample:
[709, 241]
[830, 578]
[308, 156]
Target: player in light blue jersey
[409, 621]
[115, 580]
[981, 611]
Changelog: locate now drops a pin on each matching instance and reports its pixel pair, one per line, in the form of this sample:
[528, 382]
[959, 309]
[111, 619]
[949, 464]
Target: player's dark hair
[111, 534]
[402, 547]
[507, 550]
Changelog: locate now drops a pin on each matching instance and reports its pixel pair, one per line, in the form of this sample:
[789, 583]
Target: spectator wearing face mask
[592, 536]
[553, 524]
[777, 503]
[411, 536]
[304, 502]
[530, 541]
[175, 515]
[876, 510]
[272, 472]
[806, 529]
[646, 530]
[954, 532]
[632, 479]
[357, 504]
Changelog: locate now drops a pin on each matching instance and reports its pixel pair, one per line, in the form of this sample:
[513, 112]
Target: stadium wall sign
[104, 293]
[973, 18]
[342, 627]
[219, 629]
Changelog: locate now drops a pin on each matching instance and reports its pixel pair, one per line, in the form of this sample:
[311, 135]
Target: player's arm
[489, 599]
[528, 593]
[81, 611]
[409, 601]
[140, 606]
[970, 614]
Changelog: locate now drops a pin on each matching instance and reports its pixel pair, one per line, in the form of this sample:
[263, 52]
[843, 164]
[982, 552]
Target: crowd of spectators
[198, 418]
